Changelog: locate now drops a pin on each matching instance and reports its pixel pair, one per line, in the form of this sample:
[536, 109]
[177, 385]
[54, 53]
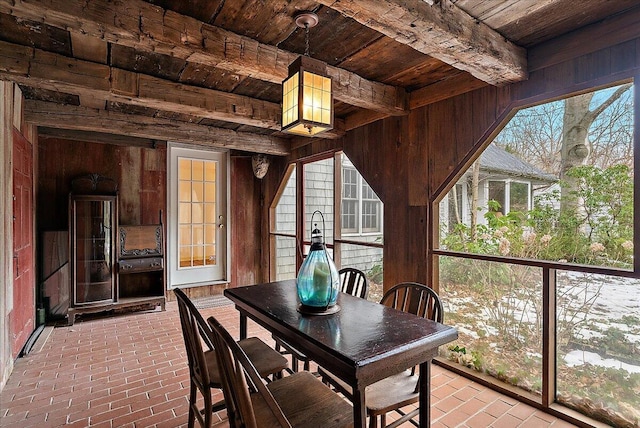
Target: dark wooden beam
[45, 70]
[150, 28]
[443, 89]
[100, 137]
[76, 118]
[443, 31]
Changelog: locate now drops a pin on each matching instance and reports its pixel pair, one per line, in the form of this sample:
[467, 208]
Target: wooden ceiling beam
[150, 28]
[45, 70]
[443, 31]
[52, 115]
[443, 89]
[100, 137]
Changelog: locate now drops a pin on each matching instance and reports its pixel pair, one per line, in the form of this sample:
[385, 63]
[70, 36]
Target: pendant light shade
[307, 98]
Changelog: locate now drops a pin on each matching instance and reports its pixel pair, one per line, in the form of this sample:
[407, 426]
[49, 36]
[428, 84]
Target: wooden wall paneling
[154, 186]
[129, 185]
[598, 36]
[246, 226]
[592, 65]
[403, 227]
[443, 153]
[364, 147]
[624, 55]
[418, 158]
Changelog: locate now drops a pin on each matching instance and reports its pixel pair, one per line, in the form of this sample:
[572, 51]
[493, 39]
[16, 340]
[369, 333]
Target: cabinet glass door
[93, 272]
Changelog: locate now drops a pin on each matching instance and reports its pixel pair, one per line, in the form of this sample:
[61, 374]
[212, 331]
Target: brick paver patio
[130, 371]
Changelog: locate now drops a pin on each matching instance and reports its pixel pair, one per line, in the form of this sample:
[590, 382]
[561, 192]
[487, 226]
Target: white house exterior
[503, 178]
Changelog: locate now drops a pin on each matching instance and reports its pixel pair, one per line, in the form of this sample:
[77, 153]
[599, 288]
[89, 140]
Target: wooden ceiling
[208, 72]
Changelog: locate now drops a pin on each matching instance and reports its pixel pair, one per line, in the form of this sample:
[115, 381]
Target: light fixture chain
[306, 39]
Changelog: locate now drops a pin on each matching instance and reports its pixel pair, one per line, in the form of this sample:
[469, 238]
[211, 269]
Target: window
[549, 300]
[518, 196]
[284, 235]
[496, 193]
[361, 207]
[309, 186]
[510, 196]
[197, 223]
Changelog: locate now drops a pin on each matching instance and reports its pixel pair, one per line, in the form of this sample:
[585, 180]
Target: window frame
[549, 268]
[302, 240]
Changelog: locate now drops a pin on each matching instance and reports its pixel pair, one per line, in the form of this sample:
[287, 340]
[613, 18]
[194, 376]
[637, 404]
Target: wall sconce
[307, 98]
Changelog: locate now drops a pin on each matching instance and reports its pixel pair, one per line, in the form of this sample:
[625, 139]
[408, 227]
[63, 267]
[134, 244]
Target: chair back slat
[190, 319]
[414, 298]
[234, 364]
[354, 282]
[417, 299]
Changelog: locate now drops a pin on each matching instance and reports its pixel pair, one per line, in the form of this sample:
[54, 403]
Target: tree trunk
[575, 145]
[475, 182]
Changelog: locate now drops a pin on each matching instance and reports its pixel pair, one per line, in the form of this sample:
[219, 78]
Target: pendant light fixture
[307, 98]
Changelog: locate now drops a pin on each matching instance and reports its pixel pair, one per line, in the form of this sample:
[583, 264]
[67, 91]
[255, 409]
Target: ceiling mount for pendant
[307, 20]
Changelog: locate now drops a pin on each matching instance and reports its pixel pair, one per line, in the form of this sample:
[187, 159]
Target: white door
[198, 224]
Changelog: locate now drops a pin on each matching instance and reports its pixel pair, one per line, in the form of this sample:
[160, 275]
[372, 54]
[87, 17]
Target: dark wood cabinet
[112, 267]
[141, 271]
[93, 232]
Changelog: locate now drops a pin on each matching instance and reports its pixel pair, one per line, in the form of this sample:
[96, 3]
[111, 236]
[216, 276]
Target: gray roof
[497, 160]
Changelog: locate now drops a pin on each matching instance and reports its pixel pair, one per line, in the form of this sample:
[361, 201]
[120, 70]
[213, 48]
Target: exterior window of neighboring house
[563, 275]
[352, 225]
[511, 195]
[497, 193]
[519, 196]
[349, 200]
[360, 205]
[197, 239]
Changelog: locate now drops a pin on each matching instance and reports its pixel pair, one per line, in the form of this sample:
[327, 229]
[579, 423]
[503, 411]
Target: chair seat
[266, 359]
[305, 401]
[383, 396]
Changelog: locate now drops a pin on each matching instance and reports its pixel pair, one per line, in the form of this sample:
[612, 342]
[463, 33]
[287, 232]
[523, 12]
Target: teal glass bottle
[318, 281]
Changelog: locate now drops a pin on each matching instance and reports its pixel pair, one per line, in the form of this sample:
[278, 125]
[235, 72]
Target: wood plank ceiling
[208, 72]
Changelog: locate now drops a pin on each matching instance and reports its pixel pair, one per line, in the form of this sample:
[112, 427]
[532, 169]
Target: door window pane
[196, 217]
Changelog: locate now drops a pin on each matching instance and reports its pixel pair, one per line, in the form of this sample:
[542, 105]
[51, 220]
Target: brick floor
[130, 371]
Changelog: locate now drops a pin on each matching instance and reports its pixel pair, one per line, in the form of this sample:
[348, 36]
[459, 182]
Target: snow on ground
[578, 358]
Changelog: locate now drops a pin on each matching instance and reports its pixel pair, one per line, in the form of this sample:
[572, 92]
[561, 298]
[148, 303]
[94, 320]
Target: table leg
[425, 394]
[359, 409]
[243, 326]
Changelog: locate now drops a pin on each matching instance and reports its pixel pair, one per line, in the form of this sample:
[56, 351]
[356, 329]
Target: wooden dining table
[362, 343]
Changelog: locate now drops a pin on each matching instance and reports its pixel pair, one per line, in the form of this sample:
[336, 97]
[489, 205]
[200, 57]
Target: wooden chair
[352, 281]
[400, 390]
[203, 365]
[299, 400]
